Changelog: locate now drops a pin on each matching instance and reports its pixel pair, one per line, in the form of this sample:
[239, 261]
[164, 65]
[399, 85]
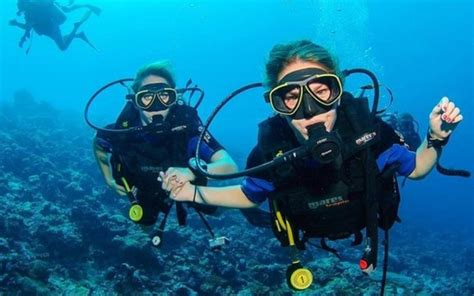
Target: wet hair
[282, 55]
[159, 68]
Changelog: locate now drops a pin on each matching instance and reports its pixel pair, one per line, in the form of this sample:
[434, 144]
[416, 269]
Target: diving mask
[305, 93]
[155, 97]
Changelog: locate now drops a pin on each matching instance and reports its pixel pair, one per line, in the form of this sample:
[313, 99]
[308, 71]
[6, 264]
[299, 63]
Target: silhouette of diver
[407, 126]
[46, 16]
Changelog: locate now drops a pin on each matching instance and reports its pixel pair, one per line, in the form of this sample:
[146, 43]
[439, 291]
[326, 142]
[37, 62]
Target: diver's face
[147, 116]
[301, 125]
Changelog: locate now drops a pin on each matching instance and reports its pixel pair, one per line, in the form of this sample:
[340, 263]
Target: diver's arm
[103, 161]
[15, 23]
[26, 27]
[221, 163]
[25, 36]
[444, 118]
[426, 159]
[230, 196]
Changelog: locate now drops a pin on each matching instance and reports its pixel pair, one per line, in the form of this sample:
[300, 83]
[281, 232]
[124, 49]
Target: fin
[84, 38]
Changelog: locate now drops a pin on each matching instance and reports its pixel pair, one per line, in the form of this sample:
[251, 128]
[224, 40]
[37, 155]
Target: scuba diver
[45, 17]
[407, 126]
[155, 131]
[326, 164]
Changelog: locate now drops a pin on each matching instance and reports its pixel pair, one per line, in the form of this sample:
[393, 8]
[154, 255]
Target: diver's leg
[26, 36]
[57, 37]
[68, 38]
[60, 43]
[84, 18]
[83, 37]
[96, 10]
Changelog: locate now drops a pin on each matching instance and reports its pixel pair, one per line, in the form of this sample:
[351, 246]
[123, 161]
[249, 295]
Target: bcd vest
[140, 157]
[329, 200]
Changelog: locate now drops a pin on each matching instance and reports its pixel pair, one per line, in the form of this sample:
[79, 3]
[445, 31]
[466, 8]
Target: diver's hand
[117, 188]
[178, 190]
[444, 118]
[182, 174]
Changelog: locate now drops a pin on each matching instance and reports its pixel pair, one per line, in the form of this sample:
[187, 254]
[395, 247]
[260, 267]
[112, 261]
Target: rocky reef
[62, 232]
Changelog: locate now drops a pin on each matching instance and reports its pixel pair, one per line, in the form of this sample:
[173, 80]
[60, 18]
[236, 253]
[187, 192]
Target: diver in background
[130, 163]
[46, 16]
[407, 126]
[409, 129]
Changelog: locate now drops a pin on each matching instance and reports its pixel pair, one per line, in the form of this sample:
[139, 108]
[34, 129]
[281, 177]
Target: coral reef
[63, 232]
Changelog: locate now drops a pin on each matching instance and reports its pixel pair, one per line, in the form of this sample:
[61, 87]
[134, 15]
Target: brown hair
[283, 54]
[159, 68]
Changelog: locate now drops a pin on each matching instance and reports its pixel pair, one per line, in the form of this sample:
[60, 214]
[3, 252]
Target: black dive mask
[155, 97]
[309, 108]
[305, 93]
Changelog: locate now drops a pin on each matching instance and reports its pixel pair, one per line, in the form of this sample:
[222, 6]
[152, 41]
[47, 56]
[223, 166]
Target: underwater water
[63, 232]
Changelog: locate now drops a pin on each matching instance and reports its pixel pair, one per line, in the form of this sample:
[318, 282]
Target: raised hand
[444, 118]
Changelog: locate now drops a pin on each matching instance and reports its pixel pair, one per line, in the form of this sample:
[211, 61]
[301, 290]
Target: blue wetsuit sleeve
[398, 154]
[208, 147]
[104, 144]
[103, 141]
[256, 190]
[257, 187]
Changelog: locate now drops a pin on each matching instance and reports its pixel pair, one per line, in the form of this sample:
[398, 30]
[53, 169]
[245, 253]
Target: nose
[309, 107]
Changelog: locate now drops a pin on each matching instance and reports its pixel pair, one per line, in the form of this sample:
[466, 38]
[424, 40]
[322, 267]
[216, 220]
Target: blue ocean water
[57, 235]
